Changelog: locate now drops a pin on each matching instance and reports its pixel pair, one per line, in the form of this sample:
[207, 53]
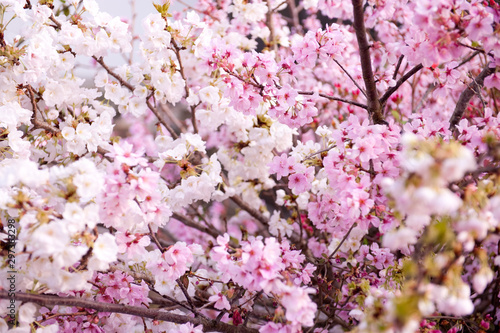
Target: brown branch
[155, 314]
[253, 212]
[164, 107]
[269, 23]
[295, 15]
[47, 127]
[155, 239]
[338, 99]
[374, 106]
[342, 241]
[190, 223]
[475, 53]
[396, 70]
[429, 90]
[56, 22]
[466, 95]
[177, 50]
[189, 299]
[161, 119]
[402, 80]
[350, 77]
[36, 114]
[124, 83]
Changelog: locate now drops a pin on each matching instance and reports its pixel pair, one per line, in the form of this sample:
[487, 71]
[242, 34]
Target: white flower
[12, 114]
[177, 153]
[52, 114]
[27, 313]
[74, 216]
[15, 171]
[481, 279]
[68, 133]
[453, 169]
[195, 141]
[83, 132]
[399, 239]
[210, 95]
[49, 239]
[54, 328]
[279, 226]
[357, 314]
[105, 249]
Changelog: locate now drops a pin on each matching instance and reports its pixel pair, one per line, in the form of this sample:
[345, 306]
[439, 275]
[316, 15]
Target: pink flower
[190, 328]
[282, 165]
[220, 300]
[122, 154]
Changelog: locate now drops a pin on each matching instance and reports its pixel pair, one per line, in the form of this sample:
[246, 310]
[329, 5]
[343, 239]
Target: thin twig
[177, 51]
[342, 241]
[338, 99]
[430, 89]
[155, 240]
[318, 152]
[161, 119]
[295, 16]
[124, 83]
[164, 107]
[466, 60]
[402, 80]
[190, 223]
[189, 300]
[253, 212]
[396, 70]
[352, 79]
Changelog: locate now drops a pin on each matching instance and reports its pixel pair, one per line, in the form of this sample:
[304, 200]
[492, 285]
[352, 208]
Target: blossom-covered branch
[156, 314]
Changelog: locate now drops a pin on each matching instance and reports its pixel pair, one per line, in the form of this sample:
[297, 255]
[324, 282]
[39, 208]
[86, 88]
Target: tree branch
[190, 223]
[396, 70]
[155, 314]
[352, 79]
[466, 95]
[253, 212]
[374, 106]
[402, 80]
[338, 99]
[124, 83]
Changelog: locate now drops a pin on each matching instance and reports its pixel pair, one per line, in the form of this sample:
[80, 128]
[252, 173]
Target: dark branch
[155, 314]
[338, 99]
[400, 60]
[374, 106]
[190, 223]
[350, 77]
[467, 94]
[253, 212]
[402, 80]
